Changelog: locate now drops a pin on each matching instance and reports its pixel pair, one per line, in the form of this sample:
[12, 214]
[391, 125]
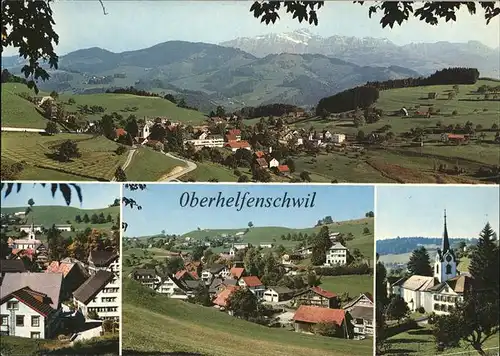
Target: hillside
[424, 58]
[48, 215]
[207, 74]
[401, 245]
[153, 323]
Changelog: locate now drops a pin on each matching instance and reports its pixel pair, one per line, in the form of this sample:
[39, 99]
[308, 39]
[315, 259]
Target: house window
[35, 321]
[35, 335]
[437, 269]
[13, 305]
[4, 320]
[19, 320]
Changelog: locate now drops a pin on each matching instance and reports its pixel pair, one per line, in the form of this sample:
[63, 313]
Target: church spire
[446, 241]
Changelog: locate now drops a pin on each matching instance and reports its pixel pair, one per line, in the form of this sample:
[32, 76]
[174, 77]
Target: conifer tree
[484, 262]
[419, 263]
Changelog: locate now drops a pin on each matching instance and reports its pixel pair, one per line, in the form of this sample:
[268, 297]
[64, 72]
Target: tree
[68, 150]
[370, 214]
[484, 260]
[56, 245]
[109, 218]
[198, 253]
[120, 175]
[78, 219]
[419, 263]
[250, 224]
[304, 175]
[173, 265]
[397, 308]
[291, 164]
[94, 219]
[132, 127]
[359, 121]
[51, 128]
[220, 112]
[29, 25]
[243, 303]
[108, 127]
[360, 136]
[86, 219]
[202, 296]
[320, 245]
[243, 179]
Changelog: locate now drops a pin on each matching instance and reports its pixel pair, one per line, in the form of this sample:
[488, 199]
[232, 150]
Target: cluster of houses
[306, 307]
[31, 303]
[335, 256]
[319, 139]
[437, 293]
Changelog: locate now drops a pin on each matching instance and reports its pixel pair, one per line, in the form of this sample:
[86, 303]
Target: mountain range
[424, 58]
[296, 68]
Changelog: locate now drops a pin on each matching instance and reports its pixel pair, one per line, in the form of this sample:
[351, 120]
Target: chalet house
[100, 293]
[261, 163]
[172, 287]
[222, 297]
[305, 251]
[338, 138]
[307, 316]
[11, 266]
[336, 255]
[290, 259]
[74, 274]
[185, 275]
[253, 284]
[30, 304]
[317, 296]
[104, 260]
[233, 135]
[146, 276]
[455, 139]
[445, 295]
[216, 286]
[214, 271]
[361, 310]
[274, 163]
[236, 145]
[237, 272]
[278, 294]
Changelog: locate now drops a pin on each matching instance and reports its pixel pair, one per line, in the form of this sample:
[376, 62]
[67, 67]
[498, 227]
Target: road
[127, 161]
[190, 166]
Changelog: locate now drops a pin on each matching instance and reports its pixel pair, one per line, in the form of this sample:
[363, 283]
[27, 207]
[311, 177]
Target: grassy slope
[147, 106]
[149, 165]
[354, 285]
[258, 235]
[153, 322]
[18, 112]
[48, 215]
[419, 162]
[208, 170]
[98, 158]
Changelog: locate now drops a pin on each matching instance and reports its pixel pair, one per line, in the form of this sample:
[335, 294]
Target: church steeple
[446, 242]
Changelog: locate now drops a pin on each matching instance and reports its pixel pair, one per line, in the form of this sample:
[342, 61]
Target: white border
[120, 321]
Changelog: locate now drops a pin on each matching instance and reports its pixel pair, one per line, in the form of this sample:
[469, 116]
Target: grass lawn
[149, 165]
[146, 106]
[421, 342]
[19, 112]
[155, 323]
[354, 285]
[48, 215]
[98, 160]
[208, 170]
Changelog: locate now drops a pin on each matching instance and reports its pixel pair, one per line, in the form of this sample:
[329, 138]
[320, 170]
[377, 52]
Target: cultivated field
[154, 323]
[98, 161]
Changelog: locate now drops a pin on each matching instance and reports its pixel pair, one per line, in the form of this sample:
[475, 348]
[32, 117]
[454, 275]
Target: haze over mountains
[293, 68]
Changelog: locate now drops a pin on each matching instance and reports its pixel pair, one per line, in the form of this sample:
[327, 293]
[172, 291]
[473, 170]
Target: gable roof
[12, 266]
[216, 268]
[362, 312]
[237, 272]
[34, 300]
[353, 303]
[224, 295]
[282, 290]
[314, 314]
[46, 283]
[323, 293]
[459, 284]
[59, 267]
[102, 258]
[417, 282]
[120, 132]
[252, 281]
[261, 162]
[92, 286]
[237, 144]
[259, 154]
[283, 168]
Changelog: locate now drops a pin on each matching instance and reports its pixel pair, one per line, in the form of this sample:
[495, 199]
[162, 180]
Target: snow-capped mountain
[424, 58]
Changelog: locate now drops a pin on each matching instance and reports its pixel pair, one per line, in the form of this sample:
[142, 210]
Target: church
[440, 292]
[31, 242]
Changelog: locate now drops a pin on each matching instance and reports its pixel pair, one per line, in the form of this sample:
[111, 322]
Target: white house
[266, 245]
[101, 294]
[277, 294]
[211, 141]
[253, 284]
[31, 228]
[362, 312]
[305, 251]
[63, 227]
[336, 255]
[30, 304]
[31, 242]
[338, 138]
[235, 247]
[104, 260]
[274, 163]
[215, 271]
[146, 277]
[172, 287]
[327, 135]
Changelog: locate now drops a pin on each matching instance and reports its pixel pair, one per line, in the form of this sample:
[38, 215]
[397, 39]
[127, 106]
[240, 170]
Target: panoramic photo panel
[248, 269]
[60, 288]
[437, 272]
[271, 91]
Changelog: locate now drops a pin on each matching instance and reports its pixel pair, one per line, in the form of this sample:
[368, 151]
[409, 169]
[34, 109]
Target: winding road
[127, 161]
[190, 166]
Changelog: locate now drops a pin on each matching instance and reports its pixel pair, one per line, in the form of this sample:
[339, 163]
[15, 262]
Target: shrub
[120, 150]
[454, 113]
[421, 310]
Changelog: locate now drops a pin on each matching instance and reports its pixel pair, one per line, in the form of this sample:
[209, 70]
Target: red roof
[260, 154]
[261, 162]
[56, 267]
[252, 281]
[120, 132]
[323, 293]
[283, 168]
[183, 274]
[314, 315]
[237, 272]
[224, 295]
[235, 132]
[238, 144]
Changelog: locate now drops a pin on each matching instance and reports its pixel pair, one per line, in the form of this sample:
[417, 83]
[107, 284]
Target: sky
[409, 211]
[95, 196]
[131, 25]
[161, 208]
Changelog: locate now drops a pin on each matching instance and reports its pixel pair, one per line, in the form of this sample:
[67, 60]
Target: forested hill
[408, 244]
